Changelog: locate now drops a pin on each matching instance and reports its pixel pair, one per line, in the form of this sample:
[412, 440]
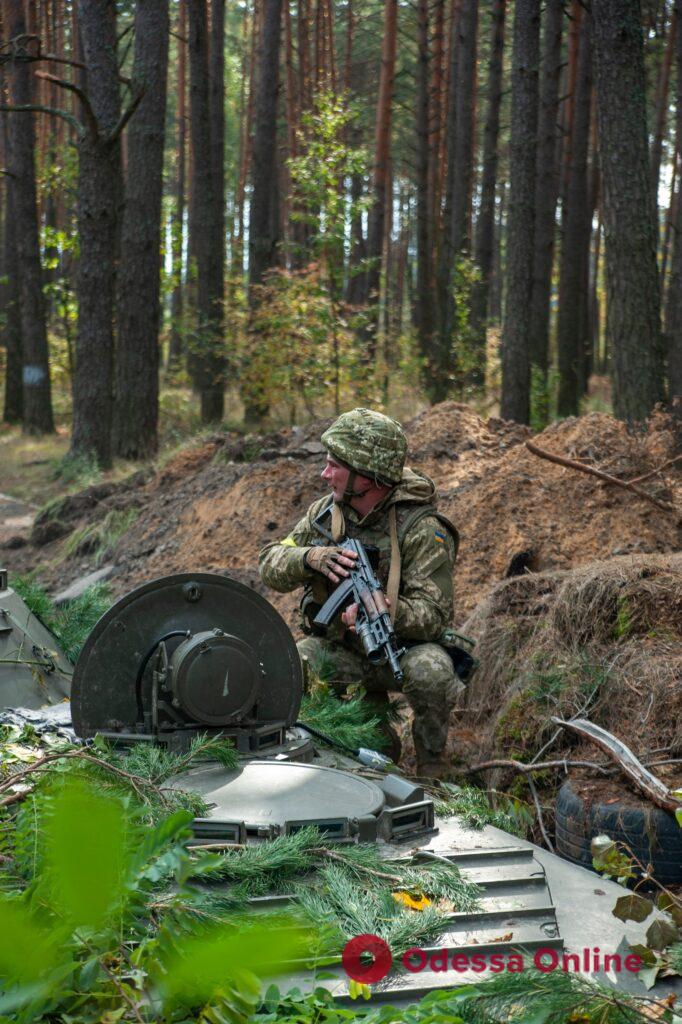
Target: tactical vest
[407, 516]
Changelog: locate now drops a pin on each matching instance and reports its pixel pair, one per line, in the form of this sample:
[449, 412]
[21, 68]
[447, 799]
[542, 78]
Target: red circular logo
[357, 967]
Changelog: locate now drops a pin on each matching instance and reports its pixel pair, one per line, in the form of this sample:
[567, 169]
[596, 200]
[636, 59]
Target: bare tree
[515, 400]
[633, 294]
[575, 244]
[546, 186]
[485, 225]
[37, 401]
[674, 303]
[137, 354]
[208, 244]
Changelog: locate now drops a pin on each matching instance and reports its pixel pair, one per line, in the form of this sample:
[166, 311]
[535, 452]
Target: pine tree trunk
[546, 186]
[263, 221]
[37, 399]
[485, 226]
[99, 192]
[515, 400]
[176, 346]
[674, 303]
[423, 313]
[382, 155]
[217, 112]
[207, 359]
[633, 295]
[459, 170]
[11, 323]
[574, 270]
[662, 107]
[137, 354]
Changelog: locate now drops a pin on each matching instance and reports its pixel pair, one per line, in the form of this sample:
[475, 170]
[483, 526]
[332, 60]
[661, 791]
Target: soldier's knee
[429, 677]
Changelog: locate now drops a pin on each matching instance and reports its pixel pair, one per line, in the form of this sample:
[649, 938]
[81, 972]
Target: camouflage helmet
[370, 443]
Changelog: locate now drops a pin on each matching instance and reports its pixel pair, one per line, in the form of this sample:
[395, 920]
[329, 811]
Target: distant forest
[303, 202]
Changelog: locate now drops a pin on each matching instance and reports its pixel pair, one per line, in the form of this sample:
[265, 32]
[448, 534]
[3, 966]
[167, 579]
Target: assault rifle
[373, 624]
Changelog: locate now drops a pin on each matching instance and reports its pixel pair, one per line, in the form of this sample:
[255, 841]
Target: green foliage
[476, 811]
[623, 624]
[79, 941]
[158, 764]
[526, 997]
[303, 343]
[72, 623]
[350, 722]
[99, 539]
[75, 472]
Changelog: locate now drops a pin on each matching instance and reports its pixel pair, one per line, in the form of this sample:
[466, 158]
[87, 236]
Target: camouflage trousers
[429, 685]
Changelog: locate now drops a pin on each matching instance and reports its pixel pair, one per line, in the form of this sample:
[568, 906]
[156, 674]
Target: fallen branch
[538, 808]
[653, 472]
[560, 460]
[526, 769]
[617, 751]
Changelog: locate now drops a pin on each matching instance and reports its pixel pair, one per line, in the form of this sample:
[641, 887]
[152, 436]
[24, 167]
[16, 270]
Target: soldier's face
[335, 476]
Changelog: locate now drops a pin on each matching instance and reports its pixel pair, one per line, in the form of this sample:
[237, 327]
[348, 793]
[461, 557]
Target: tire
[653, 835]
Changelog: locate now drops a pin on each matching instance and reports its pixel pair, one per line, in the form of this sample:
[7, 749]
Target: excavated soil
[530, 530]
[215, 504]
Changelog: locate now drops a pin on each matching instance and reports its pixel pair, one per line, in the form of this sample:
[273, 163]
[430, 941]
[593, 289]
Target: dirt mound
[602, 641]
[217, 502]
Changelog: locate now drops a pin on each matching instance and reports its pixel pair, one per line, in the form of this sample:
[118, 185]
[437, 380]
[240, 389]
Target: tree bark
[575, 245]
[633, 294]
[137, 355]
[217, 113]
[662, 107]
[208, 243]
[99, 192]
[382, 155]
[176, 345]
[546, 187]
[459, 171]
[37, 399]
[485, 226]
[515, 400]
[674, 300]
[263, 226]
[424, 298]
[11, 328]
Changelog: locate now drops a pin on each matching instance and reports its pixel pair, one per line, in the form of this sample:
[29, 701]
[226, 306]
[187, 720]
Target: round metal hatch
[103, 693]
[274, 793]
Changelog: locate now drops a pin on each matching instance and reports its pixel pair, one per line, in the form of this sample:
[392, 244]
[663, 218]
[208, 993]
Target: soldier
[376, 500]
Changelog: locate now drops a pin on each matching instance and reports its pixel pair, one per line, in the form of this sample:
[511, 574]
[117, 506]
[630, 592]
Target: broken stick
[643, 779]
[560, 460]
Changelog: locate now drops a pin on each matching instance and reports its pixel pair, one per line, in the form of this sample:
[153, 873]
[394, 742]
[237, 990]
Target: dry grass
[603, 640]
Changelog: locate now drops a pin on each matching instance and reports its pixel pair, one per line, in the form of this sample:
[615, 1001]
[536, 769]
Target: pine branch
[125, 117]
[39, 108]
[82, 96]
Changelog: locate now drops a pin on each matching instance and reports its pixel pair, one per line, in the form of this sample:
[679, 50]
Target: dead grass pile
[603, 641]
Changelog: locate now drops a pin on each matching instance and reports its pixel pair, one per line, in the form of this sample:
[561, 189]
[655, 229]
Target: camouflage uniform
[428, 547]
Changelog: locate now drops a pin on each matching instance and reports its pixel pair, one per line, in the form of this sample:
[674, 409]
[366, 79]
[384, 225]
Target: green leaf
[661, 934]
[28, 949]
[196, 966]
[646, 955]
[86, 854]
[632, 908]
[668, 904]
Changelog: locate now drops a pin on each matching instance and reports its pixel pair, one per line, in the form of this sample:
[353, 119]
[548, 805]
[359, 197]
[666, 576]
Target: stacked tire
[653, 835]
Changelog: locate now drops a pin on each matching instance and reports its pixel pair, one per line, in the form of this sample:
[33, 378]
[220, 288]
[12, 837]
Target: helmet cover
[369, 442]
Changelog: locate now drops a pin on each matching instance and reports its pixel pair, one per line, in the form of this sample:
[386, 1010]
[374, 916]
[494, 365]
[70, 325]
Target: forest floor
[536, 539]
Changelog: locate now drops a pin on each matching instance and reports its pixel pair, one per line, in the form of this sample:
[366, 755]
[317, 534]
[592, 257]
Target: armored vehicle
[199, 653]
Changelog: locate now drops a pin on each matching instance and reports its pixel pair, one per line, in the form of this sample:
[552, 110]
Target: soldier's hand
[349, 617]
[331, 562]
